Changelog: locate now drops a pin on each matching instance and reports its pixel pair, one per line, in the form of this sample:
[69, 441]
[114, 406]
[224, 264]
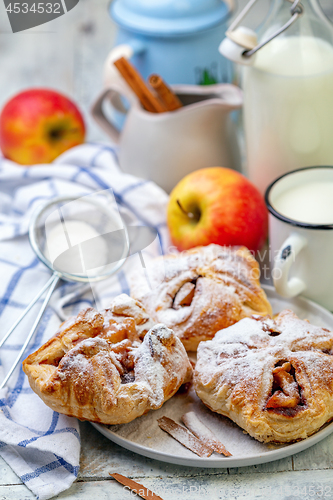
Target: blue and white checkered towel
[42, 446]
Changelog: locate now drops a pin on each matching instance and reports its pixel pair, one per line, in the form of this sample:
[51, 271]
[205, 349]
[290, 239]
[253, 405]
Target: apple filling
[185, 295]
[285, 390]
[124, 361]
[267, 325]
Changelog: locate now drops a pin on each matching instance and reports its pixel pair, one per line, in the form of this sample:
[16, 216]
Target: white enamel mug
[301, 253]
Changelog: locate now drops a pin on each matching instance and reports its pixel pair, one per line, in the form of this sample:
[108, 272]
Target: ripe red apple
[37, 125]
[217, 205]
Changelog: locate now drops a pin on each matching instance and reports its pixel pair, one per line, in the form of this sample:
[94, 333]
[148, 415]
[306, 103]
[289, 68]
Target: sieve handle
[25, 312]
[55, 278]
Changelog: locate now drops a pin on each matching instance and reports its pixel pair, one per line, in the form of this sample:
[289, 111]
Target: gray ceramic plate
[143, 436]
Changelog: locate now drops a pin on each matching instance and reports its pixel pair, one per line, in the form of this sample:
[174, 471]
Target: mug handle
[289, 250]
[112, 93]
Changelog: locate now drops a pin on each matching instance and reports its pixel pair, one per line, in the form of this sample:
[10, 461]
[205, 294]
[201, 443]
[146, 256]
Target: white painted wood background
[68, 54]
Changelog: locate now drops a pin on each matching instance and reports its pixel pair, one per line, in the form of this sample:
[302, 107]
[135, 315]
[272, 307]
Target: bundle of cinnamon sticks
[157, 97]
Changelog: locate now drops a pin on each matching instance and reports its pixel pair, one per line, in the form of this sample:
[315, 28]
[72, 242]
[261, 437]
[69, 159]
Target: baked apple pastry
[201, 291]
[109, 367]
[274, 378]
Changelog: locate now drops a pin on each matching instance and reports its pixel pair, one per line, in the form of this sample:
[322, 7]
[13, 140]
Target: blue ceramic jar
[177, 39]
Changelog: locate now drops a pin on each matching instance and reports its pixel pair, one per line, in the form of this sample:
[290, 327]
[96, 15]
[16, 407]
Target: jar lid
[169, 17]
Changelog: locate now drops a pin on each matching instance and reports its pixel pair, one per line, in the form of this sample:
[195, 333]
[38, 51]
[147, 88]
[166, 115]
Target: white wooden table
[307, 475]
[68, 54]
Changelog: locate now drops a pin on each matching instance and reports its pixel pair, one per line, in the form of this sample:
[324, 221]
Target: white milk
[58, 241]
[310, 202]
[288, 108]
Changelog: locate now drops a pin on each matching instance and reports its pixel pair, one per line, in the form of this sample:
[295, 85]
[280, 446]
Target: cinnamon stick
[148, 100]
[164, 92]
[139, 489]
[184, 436]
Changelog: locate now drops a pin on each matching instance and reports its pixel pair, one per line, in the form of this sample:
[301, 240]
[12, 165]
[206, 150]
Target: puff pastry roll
[274, 378]
[109, 367]
[200, 291]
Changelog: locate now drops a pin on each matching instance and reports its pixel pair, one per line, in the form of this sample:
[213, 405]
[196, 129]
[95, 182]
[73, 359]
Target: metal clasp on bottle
[296, 10]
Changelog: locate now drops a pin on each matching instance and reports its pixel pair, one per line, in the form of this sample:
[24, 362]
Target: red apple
[37, 125]
[217, 205]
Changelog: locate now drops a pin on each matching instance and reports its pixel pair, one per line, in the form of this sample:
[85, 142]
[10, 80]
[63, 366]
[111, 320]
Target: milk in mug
[310, 202]
[288, 107]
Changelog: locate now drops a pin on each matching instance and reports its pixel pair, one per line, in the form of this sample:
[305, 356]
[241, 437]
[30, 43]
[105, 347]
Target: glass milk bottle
[288, 93]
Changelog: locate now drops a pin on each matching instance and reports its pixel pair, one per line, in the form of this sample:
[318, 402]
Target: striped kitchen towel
[42, 446]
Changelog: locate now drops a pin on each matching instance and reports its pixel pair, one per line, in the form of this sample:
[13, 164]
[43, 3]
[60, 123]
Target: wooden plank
[285, 464]
[19, 492]
[36, 59]
[94, 38]
[283, 485]
[100, 456]
[319, 456]
[246, 487]
[67, 54]
[7, 475]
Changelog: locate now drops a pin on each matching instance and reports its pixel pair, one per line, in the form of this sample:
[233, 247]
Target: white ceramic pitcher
[167, 146]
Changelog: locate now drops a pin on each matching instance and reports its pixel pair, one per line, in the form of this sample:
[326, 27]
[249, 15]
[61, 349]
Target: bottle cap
[236, 43]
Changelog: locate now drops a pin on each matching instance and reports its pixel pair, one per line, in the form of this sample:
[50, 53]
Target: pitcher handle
[111, 75]
[231, 95]
[97, 111]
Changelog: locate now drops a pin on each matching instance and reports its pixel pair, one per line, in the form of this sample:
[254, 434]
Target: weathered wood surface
[68, 54]
[278, 486]
[100, 457]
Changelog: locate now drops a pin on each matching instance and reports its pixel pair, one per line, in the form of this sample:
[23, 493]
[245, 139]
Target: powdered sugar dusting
[248, 349]
[195, 425]
[98, 368]
[234, 374]
[151, 362]
[201, 431]
[123, 307]
[145, 430]
[225, 289]
[145, 433]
